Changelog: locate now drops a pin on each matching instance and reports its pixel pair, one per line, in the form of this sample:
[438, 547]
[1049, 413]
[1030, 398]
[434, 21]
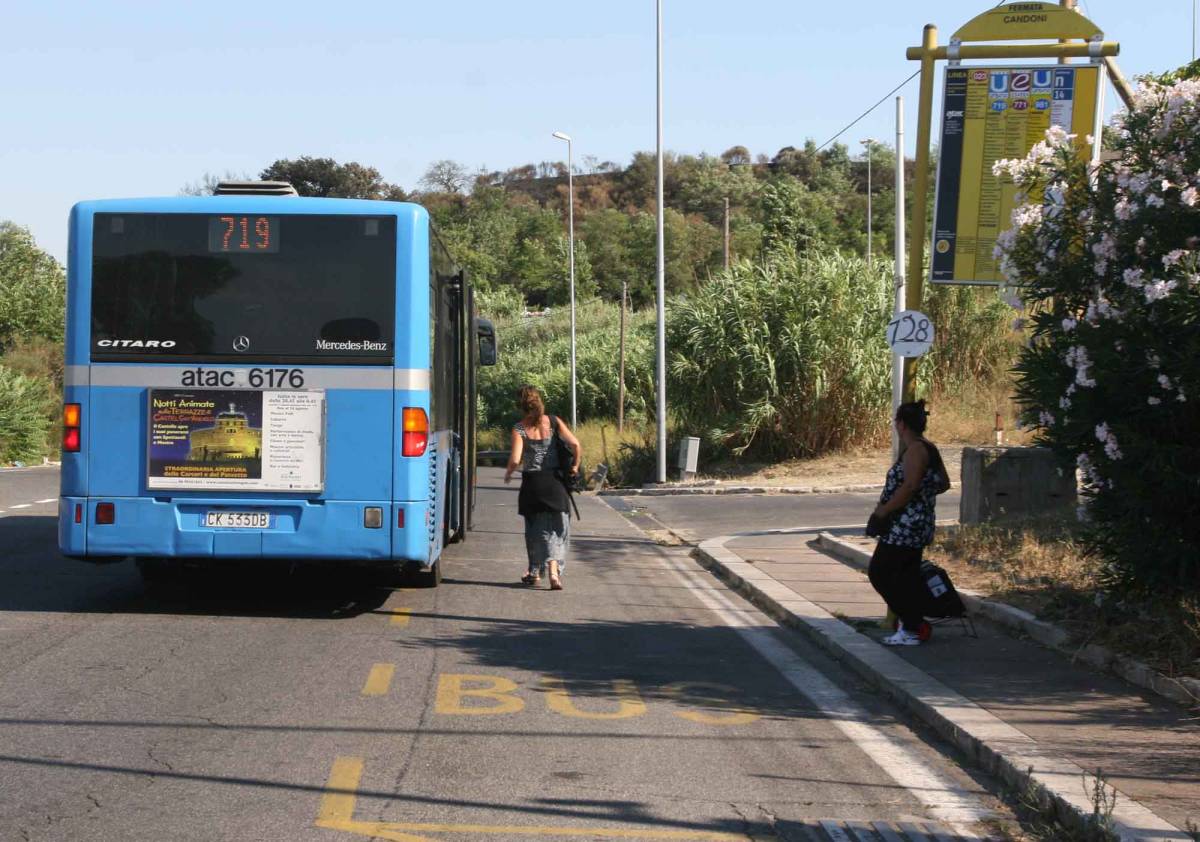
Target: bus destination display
[242, 234]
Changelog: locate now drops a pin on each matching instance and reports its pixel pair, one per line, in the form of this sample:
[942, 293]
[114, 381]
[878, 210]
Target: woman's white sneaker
[902, 638]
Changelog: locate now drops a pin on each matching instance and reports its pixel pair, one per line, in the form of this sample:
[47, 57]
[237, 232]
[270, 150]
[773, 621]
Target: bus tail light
[416, 432]
[106, 513]
[72, 426]
[399, 518]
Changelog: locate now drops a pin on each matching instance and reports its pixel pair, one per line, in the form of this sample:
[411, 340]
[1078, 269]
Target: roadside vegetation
[1043, 566]
[32, 298]
[1107, 260]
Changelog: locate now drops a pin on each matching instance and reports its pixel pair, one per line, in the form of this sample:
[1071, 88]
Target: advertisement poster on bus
[236, 440]
[991, 114]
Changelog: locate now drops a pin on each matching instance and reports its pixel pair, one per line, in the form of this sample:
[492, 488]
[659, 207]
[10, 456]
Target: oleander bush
[1107, 260]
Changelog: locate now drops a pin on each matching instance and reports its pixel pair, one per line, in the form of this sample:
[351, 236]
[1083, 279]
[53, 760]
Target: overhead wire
[883, 99]
[856, 120]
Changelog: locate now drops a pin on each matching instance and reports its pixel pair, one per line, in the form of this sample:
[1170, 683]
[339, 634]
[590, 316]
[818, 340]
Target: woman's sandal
[529, 579]
[555, 582]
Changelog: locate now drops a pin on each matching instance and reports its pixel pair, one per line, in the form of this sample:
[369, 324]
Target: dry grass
[1040, 565]
[969, 416]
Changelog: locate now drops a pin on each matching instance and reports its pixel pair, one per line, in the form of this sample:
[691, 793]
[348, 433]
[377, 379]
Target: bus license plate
[237, 520]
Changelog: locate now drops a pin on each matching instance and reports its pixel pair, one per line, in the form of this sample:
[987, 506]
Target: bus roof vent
[255, 188]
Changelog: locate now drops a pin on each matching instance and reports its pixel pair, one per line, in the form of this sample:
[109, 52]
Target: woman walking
[903, 522]
[543, 498]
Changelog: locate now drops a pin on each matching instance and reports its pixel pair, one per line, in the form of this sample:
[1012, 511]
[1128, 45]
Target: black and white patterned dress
[913, 526]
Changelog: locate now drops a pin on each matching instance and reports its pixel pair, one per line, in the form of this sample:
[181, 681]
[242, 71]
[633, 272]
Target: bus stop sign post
[1009, 22]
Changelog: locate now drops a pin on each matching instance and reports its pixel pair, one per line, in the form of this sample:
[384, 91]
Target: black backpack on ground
[943, 600]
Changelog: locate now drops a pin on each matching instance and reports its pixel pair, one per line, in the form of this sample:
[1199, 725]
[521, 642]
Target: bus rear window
[219, 287]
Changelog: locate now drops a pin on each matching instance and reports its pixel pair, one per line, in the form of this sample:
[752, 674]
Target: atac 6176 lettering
[255, 378]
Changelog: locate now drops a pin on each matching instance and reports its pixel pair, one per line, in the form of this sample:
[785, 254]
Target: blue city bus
[257, 375]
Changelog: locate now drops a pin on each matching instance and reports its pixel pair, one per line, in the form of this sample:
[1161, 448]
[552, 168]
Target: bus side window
[487, 341]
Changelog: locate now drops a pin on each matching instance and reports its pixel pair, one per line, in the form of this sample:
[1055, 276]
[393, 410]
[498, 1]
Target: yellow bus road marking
[337, 813]
[401, 616]
[379, 681]
[629, 703]
[461, 694]
[496, 695]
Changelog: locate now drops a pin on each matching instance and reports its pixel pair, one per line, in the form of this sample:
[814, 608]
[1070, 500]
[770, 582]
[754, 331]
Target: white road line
[22, 505]
[946, 801]
[49, 500]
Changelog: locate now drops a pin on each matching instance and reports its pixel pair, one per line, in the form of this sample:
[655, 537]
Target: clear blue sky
[138, 98]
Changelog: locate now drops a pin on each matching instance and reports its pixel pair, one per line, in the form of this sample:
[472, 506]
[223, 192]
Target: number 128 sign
[910, 333]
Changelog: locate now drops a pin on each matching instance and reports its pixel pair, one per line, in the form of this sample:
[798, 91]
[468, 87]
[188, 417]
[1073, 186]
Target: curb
[993, 744]
[690, 490]
[1184, 691]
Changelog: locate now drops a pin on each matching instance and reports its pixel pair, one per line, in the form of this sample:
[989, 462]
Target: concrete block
[1001, 482]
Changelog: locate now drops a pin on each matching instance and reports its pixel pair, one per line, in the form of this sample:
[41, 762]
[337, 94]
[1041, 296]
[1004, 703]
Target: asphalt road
[703, 516]
[643, 702]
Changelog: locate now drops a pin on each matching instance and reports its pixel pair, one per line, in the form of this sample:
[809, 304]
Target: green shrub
[499, 303]
[1109, 263]
[33, 288]
[537, 350]
[24, 426]
[41, 360]
[974, 343]
[785, 359]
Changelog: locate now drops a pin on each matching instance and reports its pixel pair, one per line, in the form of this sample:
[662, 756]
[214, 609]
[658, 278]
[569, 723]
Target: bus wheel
[428, 579]
[157, 571]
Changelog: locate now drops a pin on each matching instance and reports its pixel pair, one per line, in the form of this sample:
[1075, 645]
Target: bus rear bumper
[302, 529]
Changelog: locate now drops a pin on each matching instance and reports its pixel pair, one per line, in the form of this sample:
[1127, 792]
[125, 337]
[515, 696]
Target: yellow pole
[1066, 4]
[914, 292]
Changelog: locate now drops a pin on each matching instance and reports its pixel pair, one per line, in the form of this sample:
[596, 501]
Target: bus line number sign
[241, 234]
[910, 334]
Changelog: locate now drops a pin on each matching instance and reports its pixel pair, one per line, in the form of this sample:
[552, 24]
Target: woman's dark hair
[529, 401]
[914, 416]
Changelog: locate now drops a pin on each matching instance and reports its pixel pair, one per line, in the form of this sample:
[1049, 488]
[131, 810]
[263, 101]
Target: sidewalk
[1009, 703]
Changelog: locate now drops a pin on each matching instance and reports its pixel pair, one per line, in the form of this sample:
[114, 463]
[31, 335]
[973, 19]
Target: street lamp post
[867, 143]
[660, 273]
[571, 240]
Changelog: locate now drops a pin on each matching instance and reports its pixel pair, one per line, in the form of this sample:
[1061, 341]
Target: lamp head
[562, 136]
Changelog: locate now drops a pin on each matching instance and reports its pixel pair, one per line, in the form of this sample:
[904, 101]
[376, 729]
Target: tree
[794, 219]
[326, 177]
[736, 156]
[33, 288]
[607, 234]
[445, 176]
[207, 185]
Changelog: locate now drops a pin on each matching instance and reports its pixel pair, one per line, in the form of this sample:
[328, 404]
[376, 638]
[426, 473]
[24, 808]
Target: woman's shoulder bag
[566, 458]
[939, 467]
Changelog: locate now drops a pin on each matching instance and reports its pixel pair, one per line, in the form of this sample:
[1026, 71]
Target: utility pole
[897, 360]
[726, 233]
[621, 376]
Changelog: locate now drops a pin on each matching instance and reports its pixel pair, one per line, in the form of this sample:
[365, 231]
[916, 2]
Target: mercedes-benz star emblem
[241, 344]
